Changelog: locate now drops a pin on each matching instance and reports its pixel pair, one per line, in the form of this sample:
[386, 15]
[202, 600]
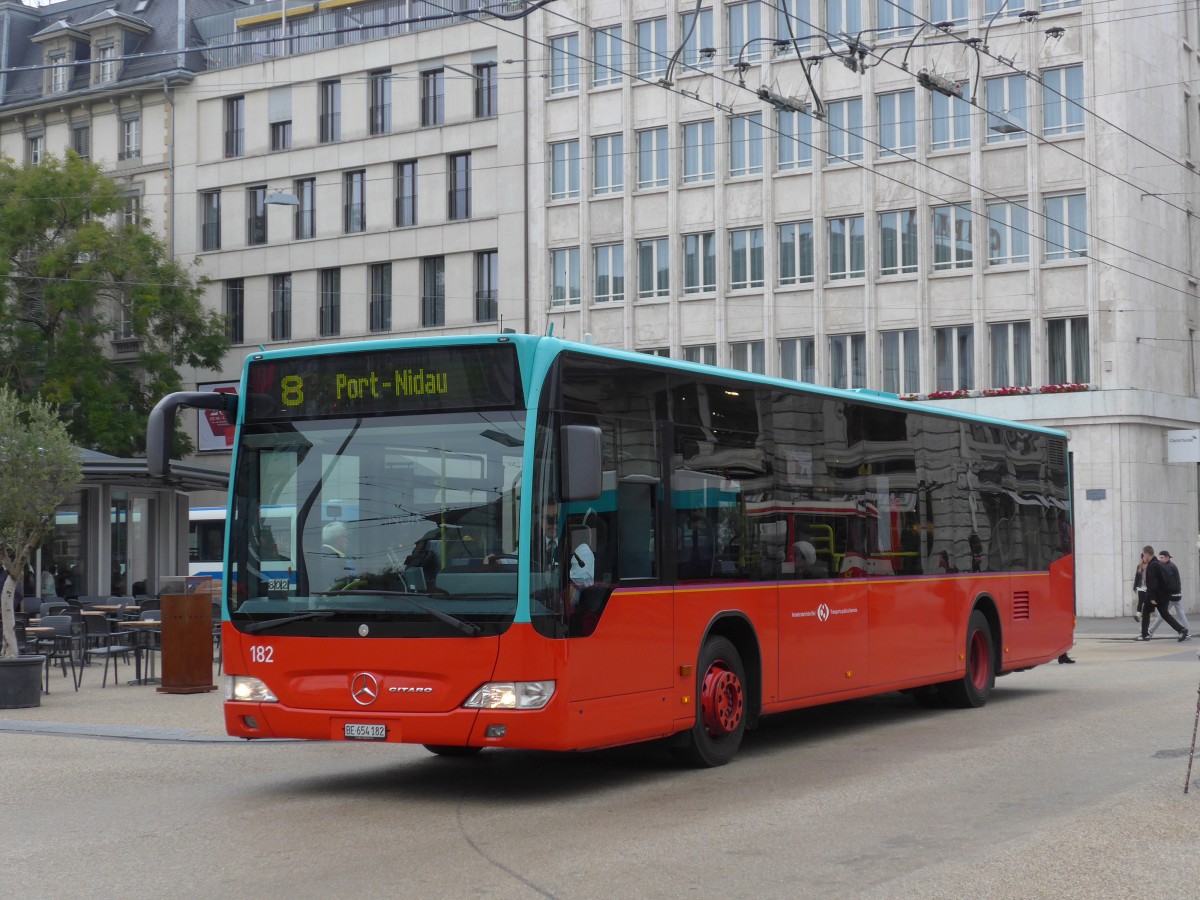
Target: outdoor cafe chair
[52, 607]
[103, 641]
[58, 647]
[32, 604]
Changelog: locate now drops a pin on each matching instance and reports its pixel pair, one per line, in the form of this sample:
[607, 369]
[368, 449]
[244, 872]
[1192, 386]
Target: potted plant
[38, 469]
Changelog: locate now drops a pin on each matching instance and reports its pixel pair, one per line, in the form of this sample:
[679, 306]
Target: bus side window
[636, 556]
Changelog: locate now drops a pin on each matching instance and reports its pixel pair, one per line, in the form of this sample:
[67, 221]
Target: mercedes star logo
[364, 689]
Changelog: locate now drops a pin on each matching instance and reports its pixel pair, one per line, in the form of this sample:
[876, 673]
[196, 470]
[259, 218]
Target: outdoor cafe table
[141, 629]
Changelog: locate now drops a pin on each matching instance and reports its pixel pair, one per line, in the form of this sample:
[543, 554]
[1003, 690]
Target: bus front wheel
[974, 688]
[722, 703]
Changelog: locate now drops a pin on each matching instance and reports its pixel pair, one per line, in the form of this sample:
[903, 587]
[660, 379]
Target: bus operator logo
[823, 612]
[364, 689]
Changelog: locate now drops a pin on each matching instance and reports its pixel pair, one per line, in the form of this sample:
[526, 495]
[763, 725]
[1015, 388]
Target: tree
[74, 273]
[39, 466]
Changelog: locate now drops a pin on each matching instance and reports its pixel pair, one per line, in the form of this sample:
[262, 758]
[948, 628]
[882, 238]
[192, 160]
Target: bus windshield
[408, 523]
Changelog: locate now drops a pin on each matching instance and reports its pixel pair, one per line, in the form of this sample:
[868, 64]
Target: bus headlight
[512, 695]
[250, 690]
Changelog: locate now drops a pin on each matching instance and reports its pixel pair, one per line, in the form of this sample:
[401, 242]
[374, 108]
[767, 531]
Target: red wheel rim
[721, 700]
[978, 664]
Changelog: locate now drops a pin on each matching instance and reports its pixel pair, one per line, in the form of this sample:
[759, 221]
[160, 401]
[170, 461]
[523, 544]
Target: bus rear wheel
[447, 750]
[722, 703]
[974, 688]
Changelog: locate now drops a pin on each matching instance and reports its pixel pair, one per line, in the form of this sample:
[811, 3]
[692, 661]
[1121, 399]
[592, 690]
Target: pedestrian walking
[1139, 583]
[1158, 595]
[1175, 588]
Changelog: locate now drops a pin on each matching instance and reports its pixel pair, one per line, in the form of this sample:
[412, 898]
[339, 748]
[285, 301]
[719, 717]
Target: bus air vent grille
[1020, 607]
[1058, 453]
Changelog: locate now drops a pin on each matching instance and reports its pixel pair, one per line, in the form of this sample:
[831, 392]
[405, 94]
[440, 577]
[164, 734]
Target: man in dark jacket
[1174, 591]
[1158, 595]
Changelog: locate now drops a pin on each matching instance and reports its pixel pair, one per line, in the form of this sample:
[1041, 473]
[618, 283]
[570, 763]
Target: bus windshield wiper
[255, 627]
[467, 628]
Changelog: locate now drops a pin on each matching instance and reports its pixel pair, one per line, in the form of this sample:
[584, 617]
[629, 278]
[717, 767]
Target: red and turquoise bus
[551, 545]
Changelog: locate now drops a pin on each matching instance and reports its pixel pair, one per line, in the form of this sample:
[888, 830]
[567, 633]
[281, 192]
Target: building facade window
[747, 263]
[235, 126]
[106, 64]
[652, 158]
[652, 49]
[798, 359]
[705, 354]
[898, 242]
[951, 122]
[329, 115]
[745, 29]
[406, 193]
[954, 11]
[1062, 99]
[459, 192]
[486, 91]
[433, 291]
[608, 269]
[564, 170]
[487, 286]
[699, 152]
[131, 214]
[1007, 118]
[131, 137]
[564, 64]
[844, 118]
[900, 354]
[330, 313]
[696, 27]
[281, 307]
[847, 248]
[843, 16]
[952, 237]
[745, 145]
[256, 215]
[1008, 233]
[564, 277]
[848, 361]
[379, 109]
[748, 356]
[235, 310]
[795, 141]
[608, 164]
[281, 135]
[700, 263]
[1011, 352]
[60, 73]
[793, 25]
[896, 18]
[354, 202]
[306, 209]
[1009, 7]
[954, 358]
[608, 52]
[210, 220]
[1066, 227]
[380, 312]
[1068, 352]
[81, 141]
[654, 268]
[1051, 5]
[796, 253]
[897, 123]
[433, 97]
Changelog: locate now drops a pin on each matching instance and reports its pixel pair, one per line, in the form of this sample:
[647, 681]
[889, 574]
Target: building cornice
[147, 84]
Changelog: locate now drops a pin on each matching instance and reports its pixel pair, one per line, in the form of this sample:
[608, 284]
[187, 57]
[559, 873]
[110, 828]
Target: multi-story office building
[930, 197]
[945, 197]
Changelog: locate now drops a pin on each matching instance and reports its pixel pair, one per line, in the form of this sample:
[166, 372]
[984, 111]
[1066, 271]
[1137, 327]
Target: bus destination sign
[374, 382]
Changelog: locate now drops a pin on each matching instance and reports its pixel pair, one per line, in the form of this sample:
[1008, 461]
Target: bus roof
[532, 349]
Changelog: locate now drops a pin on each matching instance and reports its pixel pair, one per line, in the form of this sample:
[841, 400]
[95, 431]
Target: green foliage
[71, 272]
[39, 466]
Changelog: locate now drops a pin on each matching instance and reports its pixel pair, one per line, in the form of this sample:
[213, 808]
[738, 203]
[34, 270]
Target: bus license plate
[361, 731]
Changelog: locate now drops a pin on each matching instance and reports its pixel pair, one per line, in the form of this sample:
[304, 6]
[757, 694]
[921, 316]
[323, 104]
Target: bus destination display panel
[383, 381]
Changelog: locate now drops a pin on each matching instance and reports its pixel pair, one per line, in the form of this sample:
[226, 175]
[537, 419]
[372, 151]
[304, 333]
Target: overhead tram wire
[982, 216]
[1028, 73]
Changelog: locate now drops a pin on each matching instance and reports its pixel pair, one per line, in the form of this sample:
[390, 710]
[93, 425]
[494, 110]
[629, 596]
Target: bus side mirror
[160, 429]
[581, 462]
